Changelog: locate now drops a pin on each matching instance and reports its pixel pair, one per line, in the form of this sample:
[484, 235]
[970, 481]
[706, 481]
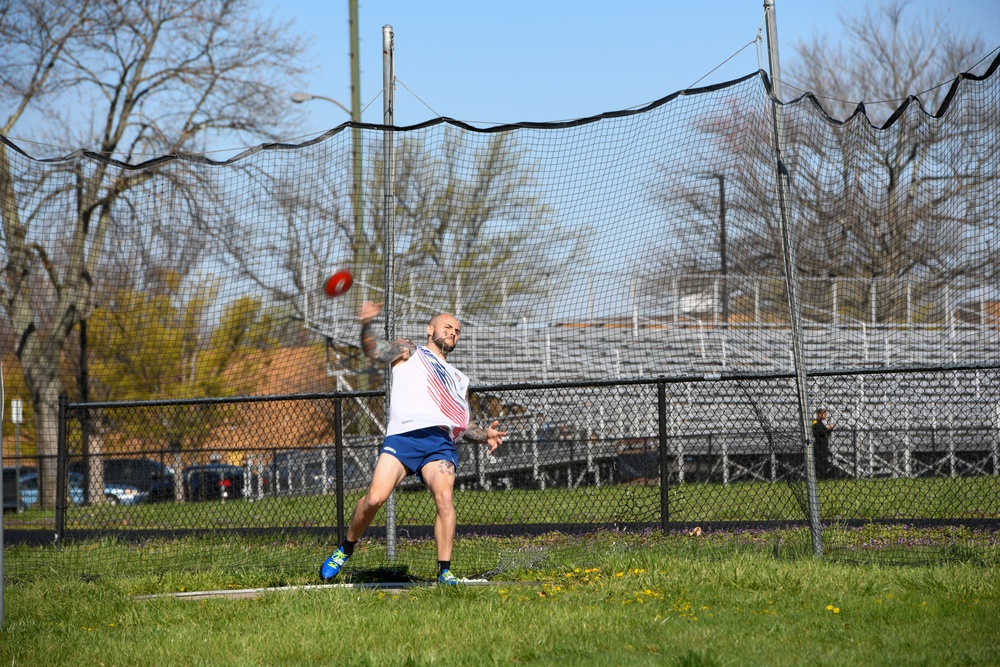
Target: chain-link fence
[921, 446]
[697, 274]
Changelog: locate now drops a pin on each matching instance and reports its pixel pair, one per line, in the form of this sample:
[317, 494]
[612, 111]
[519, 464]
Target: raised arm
[378, 349]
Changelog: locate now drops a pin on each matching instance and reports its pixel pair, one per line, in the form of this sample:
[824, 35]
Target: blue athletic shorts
[415, 449]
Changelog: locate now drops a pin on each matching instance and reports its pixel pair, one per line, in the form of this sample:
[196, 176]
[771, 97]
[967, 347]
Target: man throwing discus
[428, 413]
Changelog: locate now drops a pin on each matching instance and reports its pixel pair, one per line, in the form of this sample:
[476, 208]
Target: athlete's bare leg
[389, 472]
[439, 477]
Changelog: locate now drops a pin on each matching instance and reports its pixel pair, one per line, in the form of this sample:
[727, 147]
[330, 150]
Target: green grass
[606, 599]
[931, 498]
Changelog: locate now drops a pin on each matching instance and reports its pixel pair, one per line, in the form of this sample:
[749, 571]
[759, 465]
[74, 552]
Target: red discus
[338, 283]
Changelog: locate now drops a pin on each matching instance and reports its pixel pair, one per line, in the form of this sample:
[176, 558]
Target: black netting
[622, 286]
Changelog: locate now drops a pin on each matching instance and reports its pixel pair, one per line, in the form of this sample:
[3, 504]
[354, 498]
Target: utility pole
[723, 261]
[722, 250]
[358, 184]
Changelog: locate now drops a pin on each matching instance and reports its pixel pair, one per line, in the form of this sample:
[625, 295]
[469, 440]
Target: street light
[300, 97]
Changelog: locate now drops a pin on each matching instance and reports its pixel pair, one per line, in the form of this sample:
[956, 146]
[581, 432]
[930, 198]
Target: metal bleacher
[927, 413]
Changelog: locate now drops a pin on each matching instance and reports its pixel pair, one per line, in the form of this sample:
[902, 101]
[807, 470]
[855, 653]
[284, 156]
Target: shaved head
[441, 317]
[442, 332]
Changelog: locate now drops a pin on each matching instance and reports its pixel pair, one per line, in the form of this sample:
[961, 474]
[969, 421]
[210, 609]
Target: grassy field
[929, 498]
[605, 599]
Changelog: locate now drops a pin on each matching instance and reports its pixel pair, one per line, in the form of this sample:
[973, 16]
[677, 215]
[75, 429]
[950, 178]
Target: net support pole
[388, 155]
[791, 278]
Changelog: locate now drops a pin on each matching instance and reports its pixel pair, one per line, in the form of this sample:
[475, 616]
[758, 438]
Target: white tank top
[427, 391]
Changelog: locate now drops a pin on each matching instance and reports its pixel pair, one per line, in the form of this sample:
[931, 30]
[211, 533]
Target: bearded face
[444, 331]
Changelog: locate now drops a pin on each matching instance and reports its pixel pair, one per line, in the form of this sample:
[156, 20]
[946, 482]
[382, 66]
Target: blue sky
[543, 60]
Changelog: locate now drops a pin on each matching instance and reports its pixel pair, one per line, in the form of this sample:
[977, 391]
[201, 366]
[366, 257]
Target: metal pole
[722, 249]
[338, 443]
[15, 415]
[61, 464]
[723, 263]
[791, 276]
[85, 398]
[388, 105]
[661, 405]
[358, 184]
[3, 575]
[772, 48]
[388, 156]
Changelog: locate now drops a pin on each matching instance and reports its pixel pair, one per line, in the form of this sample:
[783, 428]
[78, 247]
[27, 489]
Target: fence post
[661, 401]
[857, 457]
[725, 459]
[61, 467]
[338, 449]
[480, 480]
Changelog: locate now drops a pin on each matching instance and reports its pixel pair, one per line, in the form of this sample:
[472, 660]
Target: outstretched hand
[494, 436]
[369, 311]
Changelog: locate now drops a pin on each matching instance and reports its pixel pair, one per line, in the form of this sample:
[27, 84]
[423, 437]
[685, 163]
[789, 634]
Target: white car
[114, 494]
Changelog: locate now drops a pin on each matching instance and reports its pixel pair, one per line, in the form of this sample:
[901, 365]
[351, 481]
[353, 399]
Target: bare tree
[467, 206]
[461, 208]
[144, 77]
[912, 195]
[887, 55]
[883, 210]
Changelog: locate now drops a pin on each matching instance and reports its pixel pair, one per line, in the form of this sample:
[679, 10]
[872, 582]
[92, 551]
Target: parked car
[10, 485]
[214, 481]
[114, 494]
[151, 477]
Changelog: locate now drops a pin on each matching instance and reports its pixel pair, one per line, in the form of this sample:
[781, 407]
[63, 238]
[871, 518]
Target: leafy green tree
[150, 346]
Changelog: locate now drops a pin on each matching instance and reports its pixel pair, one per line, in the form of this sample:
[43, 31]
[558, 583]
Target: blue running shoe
[331, 568]
[448, 579]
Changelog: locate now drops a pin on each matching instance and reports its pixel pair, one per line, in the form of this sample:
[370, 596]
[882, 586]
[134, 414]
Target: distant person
[821, 445]
[428, 413]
